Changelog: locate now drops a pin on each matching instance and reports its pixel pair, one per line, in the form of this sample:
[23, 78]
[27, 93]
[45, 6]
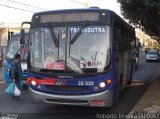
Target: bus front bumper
[102, 99]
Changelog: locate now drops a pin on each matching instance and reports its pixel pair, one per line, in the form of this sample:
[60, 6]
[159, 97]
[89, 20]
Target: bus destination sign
[69, 17]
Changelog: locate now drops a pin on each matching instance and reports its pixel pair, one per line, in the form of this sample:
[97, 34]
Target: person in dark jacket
[16, 73]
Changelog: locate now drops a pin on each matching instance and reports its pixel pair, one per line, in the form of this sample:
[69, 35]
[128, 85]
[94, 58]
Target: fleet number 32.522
[85, 83]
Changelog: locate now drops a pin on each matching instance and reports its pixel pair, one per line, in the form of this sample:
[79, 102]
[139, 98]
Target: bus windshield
[12, 49]
[89, 53]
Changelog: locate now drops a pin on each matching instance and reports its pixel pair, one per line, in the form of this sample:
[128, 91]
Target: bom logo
[91, 64]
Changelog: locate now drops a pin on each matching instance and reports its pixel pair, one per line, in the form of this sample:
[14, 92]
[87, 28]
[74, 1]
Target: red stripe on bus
[44, 81]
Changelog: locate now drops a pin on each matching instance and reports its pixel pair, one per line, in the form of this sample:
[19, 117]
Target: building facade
[6, 32]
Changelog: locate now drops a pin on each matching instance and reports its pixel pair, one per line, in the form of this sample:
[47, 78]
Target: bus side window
[116, 48]
[120, 40]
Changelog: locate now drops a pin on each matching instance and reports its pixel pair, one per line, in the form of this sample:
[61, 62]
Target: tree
[143, 14]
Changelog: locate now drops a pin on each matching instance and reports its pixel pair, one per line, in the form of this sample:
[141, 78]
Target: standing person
[16, 73]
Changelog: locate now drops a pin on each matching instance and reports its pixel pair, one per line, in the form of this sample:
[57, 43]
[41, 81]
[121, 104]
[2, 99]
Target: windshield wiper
[53, 35]
[75, 37]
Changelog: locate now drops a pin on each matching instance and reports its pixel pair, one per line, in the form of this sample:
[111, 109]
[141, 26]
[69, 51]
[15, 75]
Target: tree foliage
[144, 14]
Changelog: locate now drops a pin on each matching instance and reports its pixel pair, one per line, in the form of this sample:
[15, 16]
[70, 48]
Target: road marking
[135, 84]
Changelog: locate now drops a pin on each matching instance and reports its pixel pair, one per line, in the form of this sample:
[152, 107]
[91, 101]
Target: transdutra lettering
[89, 30]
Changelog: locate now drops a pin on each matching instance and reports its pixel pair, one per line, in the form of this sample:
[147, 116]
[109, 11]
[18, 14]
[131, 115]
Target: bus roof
[36, 16]
[70, 16]
[75, 10]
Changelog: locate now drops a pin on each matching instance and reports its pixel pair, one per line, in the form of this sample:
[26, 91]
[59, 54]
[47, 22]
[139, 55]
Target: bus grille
[67, 88]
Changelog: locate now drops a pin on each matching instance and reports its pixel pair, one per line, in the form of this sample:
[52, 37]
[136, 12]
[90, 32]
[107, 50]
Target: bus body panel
[89, 83]
[40, 94]
[6, 71]
[122, 57]
[7, 61]
[120, 68]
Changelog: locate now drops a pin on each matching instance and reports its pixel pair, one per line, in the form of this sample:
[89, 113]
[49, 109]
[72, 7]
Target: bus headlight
[102, 84]
[33, 83]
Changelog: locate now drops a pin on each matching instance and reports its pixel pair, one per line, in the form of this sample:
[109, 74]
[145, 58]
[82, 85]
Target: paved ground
[1, 75]
[150, 101]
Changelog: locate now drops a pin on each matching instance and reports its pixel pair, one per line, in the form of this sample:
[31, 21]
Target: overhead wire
[15, 8]
[77, 2]
[25, 4]
[86, 3]
[32, 8]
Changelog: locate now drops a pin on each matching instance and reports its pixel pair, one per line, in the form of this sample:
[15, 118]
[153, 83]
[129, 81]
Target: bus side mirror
[22, 36]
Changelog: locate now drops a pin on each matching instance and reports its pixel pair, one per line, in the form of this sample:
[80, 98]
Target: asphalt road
[142, 77]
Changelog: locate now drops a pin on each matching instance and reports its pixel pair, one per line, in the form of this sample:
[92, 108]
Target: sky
[17, 11]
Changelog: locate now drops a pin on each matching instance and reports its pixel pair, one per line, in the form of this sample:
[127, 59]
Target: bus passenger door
[119, 59]
[118, 64]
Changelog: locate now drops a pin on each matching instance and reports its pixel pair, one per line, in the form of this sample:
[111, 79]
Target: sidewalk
[150, 100]
[1, 74]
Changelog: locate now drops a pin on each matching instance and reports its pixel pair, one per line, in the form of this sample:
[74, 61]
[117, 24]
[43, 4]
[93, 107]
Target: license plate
[97, 103]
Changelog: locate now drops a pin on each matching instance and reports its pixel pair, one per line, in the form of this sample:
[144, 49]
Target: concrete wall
[3, 36]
